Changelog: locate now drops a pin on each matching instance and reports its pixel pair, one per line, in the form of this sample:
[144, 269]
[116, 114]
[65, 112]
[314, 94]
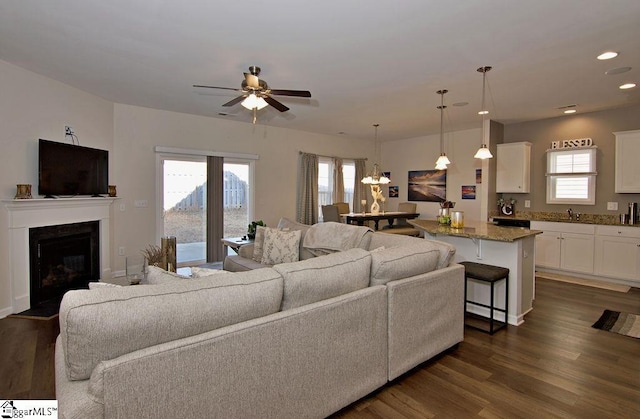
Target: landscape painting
[427, 185]
[393, 192]
[469, 192]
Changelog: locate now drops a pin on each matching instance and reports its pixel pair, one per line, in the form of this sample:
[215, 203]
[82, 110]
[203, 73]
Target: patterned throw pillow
[204, 272]
[157, 276]
[97, 285]
[280, 246]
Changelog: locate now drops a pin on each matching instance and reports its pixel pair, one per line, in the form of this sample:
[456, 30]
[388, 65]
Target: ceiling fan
[256, 93]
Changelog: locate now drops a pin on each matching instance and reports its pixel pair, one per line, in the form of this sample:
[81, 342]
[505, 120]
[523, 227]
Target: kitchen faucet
[570, 212]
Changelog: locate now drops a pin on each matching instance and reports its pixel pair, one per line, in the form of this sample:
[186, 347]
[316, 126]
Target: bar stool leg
[491, 310]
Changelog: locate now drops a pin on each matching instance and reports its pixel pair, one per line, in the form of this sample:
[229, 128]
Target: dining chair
[343, 207]
[330, 213]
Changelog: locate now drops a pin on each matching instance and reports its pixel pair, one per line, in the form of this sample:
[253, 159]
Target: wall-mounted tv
[70, 170]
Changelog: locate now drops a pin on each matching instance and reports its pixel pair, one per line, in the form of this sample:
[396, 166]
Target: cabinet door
[617, 257]
[548, 249]
[627, 167]
[576, 252]
[513, 167]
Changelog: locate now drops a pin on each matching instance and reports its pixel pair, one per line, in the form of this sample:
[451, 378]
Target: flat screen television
[70, 170]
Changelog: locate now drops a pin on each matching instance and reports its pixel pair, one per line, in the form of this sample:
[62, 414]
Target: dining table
[359, 218]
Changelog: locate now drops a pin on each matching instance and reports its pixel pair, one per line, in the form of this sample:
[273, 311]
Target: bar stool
[490, 274]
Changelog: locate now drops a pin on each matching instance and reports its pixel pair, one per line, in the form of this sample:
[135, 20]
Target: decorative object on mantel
[483, 152]
[507, 206]
[112, 191]
[23, 191]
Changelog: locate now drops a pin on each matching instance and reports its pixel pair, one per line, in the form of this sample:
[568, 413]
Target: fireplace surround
[25, 214]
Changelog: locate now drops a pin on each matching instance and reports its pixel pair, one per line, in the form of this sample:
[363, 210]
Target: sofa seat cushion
[398, 262]
[317, 279]
[106, 323]
[236, 263]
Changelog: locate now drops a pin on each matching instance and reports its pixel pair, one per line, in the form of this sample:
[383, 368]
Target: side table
[235, 243]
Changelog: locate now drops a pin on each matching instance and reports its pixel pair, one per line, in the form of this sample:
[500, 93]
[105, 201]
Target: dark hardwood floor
[554, 365]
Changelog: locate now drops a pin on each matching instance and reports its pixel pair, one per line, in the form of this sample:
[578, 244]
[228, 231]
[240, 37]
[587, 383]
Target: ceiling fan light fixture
[252, 101]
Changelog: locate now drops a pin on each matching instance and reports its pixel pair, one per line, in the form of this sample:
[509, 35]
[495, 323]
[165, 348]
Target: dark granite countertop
[475, 230]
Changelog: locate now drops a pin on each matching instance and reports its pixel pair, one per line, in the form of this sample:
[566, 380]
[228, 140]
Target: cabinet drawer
[618, 231]
[563, 227]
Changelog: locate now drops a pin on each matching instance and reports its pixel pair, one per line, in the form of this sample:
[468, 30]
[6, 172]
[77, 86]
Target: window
[326, 171]
[571, 176]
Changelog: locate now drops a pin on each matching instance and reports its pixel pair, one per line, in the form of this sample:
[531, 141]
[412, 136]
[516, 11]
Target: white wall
[138, 130]
[33, 107]
[420, 153]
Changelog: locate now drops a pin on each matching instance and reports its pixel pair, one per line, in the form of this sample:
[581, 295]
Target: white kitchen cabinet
[565, 246]
[548, 249]
[513, 167]
[617, 252]
[627, 167]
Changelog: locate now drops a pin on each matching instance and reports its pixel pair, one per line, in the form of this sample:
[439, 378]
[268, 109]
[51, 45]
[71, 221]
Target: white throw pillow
[157, 275]
[280, 246]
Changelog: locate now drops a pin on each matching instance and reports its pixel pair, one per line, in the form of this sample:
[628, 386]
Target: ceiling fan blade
[279, 106]
[252, 81]
[298, 93]
[216, 87]
[234, 101]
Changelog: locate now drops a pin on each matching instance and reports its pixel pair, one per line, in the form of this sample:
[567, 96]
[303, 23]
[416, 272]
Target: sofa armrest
[426, 317]
[246, 251]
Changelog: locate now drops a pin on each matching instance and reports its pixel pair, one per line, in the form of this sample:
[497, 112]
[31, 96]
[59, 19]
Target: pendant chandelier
[483, 152]
[375, 178]
[443, 160]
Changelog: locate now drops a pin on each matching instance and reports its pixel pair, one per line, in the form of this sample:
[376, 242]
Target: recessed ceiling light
[570, 111]
[618, 70]
[607, 55]
[628, 86]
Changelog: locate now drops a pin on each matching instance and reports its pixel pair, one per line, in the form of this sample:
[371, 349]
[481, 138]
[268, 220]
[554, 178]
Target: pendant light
[375, 178]
[443, 160]
[483, 152]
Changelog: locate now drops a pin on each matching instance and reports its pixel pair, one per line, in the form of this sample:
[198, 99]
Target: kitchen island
[509, 247]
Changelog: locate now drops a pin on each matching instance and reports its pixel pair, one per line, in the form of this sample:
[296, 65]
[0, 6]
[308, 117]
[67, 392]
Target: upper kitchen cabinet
[627, 167]
[513, 167]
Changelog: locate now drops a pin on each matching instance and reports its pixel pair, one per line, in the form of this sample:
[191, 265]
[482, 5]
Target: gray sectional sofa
[296, 340]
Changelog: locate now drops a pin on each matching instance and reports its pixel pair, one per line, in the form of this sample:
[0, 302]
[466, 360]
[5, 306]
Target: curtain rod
[335, 157]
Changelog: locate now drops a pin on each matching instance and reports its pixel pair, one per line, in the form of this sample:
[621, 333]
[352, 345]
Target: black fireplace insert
[63, 257]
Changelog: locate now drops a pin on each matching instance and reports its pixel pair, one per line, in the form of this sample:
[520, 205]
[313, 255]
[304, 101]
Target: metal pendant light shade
[483, 152]
[443, 160]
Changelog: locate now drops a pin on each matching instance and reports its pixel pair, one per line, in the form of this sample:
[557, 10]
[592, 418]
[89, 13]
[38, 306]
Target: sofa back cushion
[398, 262]
[390, 240]
[320, 278]
[103, 324]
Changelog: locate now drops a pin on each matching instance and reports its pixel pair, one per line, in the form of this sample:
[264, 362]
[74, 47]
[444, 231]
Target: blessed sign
[578, 142]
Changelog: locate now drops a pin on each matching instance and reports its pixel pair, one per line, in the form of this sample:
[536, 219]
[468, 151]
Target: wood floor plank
[553, 365]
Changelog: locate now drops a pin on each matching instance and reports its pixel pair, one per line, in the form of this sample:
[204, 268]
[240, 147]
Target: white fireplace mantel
[24, 214]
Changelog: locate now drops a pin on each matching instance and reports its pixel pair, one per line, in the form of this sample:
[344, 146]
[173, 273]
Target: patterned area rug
[621, 323]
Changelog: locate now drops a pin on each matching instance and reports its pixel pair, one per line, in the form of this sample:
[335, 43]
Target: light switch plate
[527, 203]
[612, 206]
